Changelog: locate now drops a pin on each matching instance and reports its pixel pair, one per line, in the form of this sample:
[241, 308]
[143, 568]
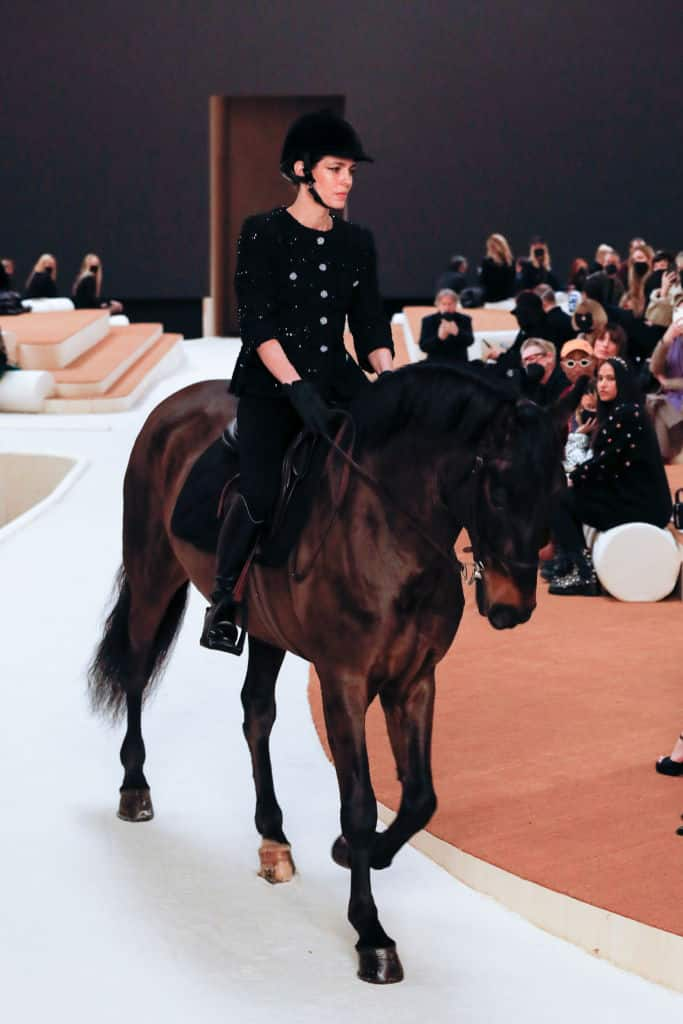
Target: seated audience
[672, 765]
[589, 320]
[610, 343]
[666, 407]
[87, 288]
[558, 326]
[446, 335]
[536, 269]
[639, 270]
[10, 301]
[42, 281]
[497, 270]
[577, 359]
[604, 286]
[623, 482]
[600, 259]
[542, 353]
[8, 267]
[529, 314]
[578, 447]
[455, 277]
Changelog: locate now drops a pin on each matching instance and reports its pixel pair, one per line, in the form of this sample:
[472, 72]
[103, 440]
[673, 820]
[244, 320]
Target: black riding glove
[311, 408]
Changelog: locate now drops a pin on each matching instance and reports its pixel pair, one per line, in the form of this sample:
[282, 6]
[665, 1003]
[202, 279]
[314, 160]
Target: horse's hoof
[341, 852]
[276, 862]
[135, 805]
[379, 966]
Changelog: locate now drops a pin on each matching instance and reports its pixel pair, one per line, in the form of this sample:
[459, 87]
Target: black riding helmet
[313, 136]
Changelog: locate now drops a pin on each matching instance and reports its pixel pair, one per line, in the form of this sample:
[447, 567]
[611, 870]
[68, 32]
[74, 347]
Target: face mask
[640, 267]
[584, 321]
[611, 269]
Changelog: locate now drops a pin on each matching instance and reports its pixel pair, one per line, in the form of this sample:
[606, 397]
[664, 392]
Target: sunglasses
[583, 363]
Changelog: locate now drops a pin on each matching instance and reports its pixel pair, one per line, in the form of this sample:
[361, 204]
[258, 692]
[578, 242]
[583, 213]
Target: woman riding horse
[300, 272]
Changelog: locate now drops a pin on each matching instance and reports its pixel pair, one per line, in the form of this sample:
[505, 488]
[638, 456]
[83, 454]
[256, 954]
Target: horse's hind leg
[258, 701]
[152, 625]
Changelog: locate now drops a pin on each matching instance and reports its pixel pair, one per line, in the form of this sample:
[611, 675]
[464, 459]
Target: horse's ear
[564, 406]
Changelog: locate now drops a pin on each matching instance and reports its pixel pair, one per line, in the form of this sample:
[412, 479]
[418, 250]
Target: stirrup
[223, 635]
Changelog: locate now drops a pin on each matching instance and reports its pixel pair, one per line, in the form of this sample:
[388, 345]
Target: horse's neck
[411, 473]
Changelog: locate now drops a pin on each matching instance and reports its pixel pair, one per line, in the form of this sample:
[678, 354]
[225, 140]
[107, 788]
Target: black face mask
[611, 269]
[584, 321]
[641, 268]
[539, 254]
[580, 279]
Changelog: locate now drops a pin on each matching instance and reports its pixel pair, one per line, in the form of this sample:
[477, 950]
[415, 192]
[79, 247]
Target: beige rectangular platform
[53, 340]
[164, 355]
[98, 369]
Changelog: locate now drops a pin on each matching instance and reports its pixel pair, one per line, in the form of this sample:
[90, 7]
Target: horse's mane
[433, 399]
[441, 400]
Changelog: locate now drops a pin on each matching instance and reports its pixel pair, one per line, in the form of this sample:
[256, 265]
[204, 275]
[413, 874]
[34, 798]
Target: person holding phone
[537, 268]
[446, 335]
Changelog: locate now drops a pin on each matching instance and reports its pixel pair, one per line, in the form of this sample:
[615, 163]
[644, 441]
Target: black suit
[558, 328]
[452, 349]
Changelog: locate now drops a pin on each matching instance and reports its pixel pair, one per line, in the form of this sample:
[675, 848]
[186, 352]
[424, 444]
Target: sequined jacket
[624, 481]
[298, 285]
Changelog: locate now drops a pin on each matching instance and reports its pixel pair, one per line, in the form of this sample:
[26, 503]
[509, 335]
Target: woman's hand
[587, 426]
[668, 279]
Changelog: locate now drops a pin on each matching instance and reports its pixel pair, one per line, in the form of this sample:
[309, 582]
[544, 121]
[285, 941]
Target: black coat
[452, 279]
[624, 481]
[497, 280]
[558, 328]
[298, 285]
[530, 276]
[454, 348]
[85, 293]
[41, 286]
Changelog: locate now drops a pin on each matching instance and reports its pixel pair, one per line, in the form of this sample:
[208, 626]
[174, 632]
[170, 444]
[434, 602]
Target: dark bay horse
[378, 609]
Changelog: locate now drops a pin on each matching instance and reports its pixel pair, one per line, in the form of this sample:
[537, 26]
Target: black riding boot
[237, 537]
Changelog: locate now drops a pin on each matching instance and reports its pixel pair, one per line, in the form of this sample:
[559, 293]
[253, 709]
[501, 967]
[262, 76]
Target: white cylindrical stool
[637, 562]
[25, 390]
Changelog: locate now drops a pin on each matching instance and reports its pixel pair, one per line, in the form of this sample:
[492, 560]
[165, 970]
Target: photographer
[536, 269]
[446, 335]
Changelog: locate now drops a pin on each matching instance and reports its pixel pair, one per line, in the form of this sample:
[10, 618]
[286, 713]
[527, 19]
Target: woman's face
[605, 348]
[333, 176]
[607, 383]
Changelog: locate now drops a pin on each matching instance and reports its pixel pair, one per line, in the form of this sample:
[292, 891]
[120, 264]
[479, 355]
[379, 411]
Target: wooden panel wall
[246, 136]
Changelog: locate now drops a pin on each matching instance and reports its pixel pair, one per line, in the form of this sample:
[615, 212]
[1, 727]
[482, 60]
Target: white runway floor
[106, 921]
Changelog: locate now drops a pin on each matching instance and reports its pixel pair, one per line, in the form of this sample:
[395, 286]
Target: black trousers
[567, 529]
[265, 428]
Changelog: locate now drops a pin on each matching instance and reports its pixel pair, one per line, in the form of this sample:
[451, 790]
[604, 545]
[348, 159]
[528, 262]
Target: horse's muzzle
[506, 616]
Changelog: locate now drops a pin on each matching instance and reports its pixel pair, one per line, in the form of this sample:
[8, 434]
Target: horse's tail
[115, 667]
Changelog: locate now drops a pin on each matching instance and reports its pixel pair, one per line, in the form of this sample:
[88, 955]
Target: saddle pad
[196, 514]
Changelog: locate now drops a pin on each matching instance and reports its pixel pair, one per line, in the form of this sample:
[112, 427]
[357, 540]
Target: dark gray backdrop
[562, 119]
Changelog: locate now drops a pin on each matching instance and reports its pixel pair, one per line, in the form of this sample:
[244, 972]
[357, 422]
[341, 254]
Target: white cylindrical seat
[25, 390]
[637, 561]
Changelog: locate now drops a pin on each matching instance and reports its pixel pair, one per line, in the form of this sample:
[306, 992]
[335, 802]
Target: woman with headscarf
[623, 482]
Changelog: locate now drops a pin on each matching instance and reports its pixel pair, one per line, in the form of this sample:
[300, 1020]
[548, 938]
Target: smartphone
[587, 415]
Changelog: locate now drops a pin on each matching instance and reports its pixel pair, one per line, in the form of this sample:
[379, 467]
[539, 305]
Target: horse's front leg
[409, 712]
[345, 705]
[258, 701]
